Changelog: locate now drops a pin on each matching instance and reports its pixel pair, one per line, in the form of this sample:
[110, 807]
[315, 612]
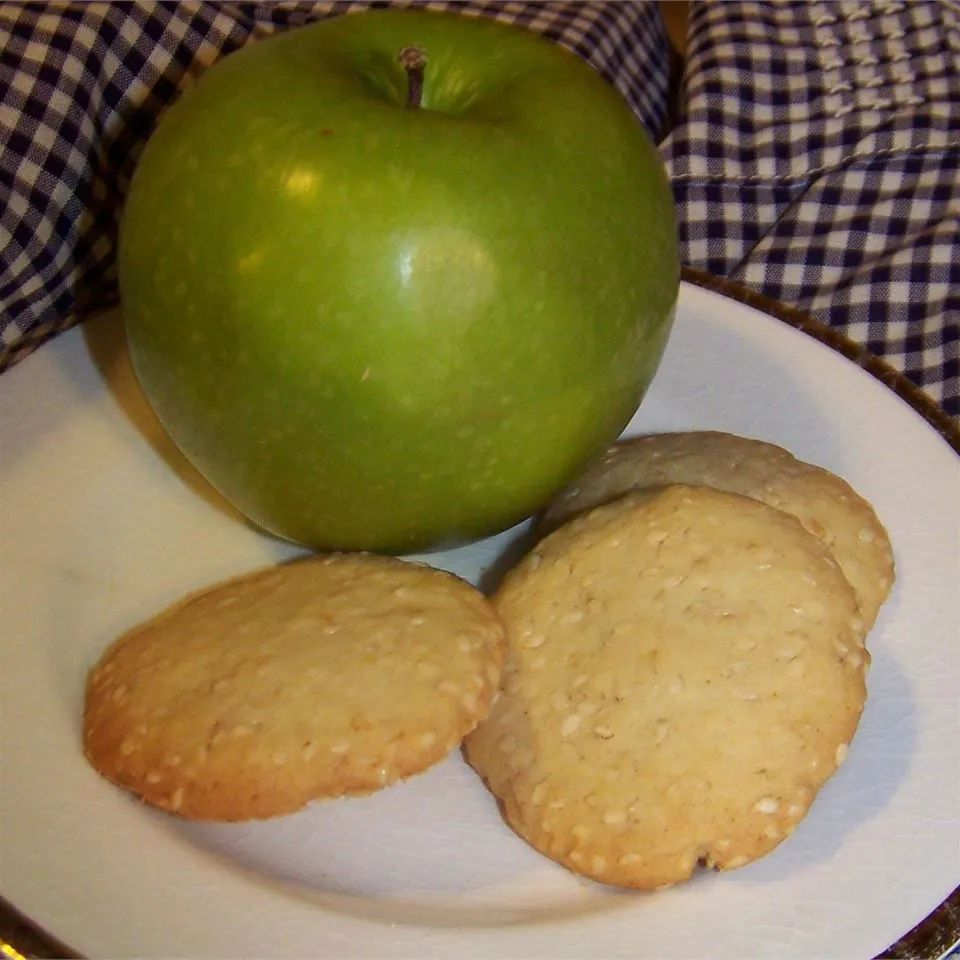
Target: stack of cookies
[686, 657]
[667, 679]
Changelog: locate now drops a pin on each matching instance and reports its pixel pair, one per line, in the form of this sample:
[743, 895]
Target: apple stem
[414, 60]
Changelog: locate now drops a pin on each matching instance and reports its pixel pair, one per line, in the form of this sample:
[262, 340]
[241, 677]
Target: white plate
[103, 524]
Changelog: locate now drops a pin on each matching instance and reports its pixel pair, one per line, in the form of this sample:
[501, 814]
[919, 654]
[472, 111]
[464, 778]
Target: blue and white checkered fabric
[818, 161]
[815, 158]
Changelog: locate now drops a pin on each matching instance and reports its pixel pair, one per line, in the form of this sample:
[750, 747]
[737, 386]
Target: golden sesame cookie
[825, 504]
[327, 676]
[684, 671]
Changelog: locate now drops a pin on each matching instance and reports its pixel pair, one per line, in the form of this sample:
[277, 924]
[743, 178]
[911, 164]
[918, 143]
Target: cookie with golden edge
[823, 502]
[685, 670]
[323, 677]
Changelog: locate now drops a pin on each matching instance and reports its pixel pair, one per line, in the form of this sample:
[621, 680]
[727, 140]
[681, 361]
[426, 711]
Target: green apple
[393, 278]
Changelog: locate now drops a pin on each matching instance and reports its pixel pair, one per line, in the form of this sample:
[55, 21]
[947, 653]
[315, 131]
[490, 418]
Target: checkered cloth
[818, 161]
[815, 159]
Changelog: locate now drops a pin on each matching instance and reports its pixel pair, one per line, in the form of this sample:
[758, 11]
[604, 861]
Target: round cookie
[825, 504]
[685, 670]
[327, 676]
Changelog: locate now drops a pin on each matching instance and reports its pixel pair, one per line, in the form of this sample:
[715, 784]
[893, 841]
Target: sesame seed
[744, 695]
[119, 693]
[576, 856]
[427, 670]
[736, 862]
[469, 703]
[675, 686]
[127, 747]
[795, 810]
[154, 777]
[176, 799]
[841, 753]
[771, 832]
[537, 640]
[570, 725]
[279, 759]
[603, 731]
[575, 616]
[598, 864]
[538, 794]
[629, 858]
[613, 817]
[767, 805]
[662, 730]
[580, 831]
[534, 561]
[339, 749]
[427, 740]
[866, 535]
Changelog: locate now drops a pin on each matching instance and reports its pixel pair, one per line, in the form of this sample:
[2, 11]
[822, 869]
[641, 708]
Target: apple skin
[375, 326]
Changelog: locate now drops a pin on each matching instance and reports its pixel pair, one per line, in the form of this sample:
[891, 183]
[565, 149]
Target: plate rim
[934, 936]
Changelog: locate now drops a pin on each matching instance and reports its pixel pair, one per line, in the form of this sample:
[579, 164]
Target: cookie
[685, 669]
[327, 676]
[824, 503]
